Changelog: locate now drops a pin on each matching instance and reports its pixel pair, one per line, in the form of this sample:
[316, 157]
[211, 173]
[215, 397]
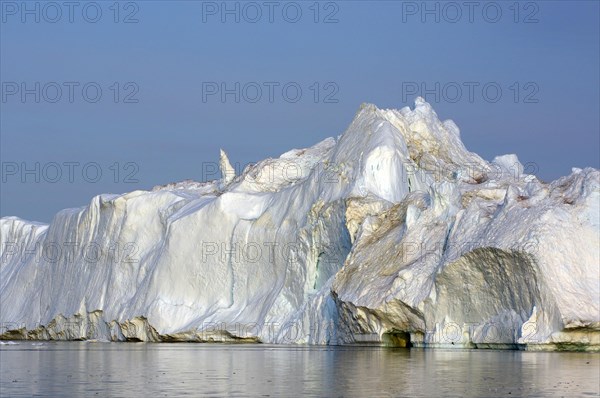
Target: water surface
[80, 369]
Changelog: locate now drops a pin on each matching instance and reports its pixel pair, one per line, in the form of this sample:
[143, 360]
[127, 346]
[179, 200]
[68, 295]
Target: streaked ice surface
[78, 369]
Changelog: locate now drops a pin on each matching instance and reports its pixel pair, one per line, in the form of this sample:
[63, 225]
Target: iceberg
[392, 233]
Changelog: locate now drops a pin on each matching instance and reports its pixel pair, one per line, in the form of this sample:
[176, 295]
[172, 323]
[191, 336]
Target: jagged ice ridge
[391, 233]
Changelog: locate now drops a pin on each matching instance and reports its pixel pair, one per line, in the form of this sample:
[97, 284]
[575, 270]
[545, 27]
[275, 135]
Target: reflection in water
[156, 370]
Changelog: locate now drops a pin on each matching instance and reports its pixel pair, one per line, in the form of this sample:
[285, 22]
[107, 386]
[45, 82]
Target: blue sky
[157, 122]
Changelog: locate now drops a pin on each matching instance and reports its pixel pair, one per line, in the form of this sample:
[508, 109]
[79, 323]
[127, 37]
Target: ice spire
[227, 170]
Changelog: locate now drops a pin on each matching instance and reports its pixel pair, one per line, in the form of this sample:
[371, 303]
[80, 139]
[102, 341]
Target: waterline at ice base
[392, 233]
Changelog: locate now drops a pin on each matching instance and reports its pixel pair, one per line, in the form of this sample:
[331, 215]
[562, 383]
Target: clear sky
[167, 72]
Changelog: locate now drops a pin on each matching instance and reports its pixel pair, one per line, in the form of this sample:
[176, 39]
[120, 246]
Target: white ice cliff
[391, 233]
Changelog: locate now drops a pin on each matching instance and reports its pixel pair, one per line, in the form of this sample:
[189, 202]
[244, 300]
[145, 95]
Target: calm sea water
[80, 369]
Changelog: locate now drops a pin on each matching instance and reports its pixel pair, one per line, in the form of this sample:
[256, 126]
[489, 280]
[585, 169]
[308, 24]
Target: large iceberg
[392, 233]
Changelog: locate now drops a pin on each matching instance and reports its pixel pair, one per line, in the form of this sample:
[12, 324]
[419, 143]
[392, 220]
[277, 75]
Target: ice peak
[420, 101]
[227, 170]
[367, 106]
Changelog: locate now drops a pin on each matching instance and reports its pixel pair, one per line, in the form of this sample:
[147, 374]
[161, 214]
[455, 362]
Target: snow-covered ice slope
[392, 232]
